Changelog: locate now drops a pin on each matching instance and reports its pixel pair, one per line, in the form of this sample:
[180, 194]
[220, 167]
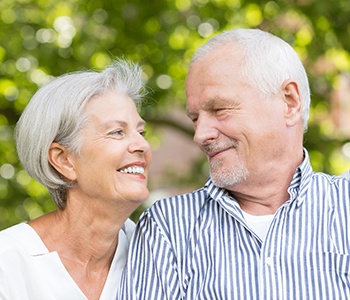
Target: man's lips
[213, 150]
[214, 153]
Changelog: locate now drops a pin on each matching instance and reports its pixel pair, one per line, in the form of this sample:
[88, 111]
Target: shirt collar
[301, 180]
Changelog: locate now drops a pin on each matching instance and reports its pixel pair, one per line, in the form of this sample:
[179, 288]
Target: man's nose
[205, 130]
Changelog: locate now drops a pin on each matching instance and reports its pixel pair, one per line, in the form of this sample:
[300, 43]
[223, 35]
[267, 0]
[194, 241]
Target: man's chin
[228, 178]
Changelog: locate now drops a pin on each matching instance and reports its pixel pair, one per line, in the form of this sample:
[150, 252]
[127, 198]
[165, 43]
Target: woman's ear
[292, 100]
[60, 160]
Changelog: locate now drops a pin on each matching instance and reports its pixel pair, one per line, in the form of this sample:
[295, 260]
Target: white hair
[56, 114]
[267, 62]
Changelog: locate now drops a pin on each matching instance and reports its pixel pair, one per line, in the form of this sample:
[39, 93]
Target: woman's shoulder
[12, 233]
[10, 240]
[19, 236]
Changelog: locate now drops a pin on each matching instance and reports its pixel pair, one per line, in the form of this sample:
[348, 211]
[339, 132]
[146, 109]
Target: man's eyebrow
[218, 100]
[189, 112]
[142, 123]
[211, 103]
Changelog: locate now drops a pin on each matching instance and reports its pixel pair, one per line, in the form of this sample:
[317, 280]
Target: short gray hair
[267, 62]
[55, 114]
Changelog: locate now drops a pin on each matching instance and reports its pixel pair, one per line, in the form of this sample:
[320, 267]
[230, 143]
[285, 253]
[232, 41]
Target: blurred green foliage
[40, 39]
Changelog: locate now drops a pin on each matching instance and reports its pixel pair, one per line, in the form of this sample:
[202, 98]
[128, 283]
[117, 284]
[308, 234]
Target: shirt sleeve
[151, 271]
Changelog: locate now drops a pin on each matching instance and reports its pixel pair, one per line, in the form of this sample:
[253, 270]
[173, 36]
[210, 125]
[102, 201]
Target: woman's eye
[116, 132]
[143, 132]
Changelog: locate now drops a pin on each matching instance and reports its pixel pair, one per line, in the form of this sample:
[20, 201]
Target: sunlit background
[43, 39]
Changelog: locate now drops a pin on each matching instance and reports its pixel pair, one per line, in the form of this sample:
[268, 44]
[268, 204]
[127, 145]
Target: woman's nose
[140, 144]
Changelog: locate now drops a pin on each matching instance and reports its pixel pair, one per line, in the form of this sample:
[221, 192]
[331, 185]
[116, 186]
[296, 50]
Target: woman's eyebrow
[121, 123]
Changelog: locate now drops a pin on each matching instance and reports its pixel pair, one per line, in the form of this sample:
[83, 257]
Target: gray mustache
[216, 148]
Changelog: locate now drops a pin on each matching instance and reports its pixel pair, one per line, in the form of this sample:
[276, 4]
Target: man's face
[235, 126]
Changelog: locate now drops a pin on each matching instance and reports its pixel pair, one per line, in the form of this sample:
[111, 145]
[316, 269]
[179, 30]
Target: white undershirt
[259, 224]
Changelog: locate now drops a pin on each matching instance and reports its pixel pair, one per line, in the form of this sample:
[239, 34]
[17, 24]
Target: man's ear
[60, 160]
[292, 100]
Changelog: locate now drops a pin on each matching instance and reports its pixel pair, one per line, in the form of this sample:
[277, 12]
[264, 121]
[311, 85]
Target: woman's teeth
[133, 170]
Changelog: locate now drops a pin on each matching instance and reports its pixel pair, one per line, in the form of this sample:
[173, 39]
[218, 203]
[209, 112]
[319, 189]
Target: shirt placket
[270, 277]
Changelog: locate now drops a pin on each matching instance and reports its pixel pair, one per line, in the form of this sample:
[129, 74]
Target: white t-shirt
[259, 224]
[28, 271]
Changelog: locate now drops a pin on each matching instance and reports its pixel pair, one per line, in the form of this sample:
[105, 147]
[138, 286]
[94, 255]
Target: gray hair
[56, 114]
[267, 62]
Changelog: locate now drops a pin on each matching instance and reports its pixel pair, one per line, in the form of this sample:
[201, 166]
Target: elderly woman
[81, 136]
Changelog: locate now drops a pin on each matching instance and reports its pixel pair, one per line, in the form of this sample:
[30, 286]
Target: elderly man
[264, 226]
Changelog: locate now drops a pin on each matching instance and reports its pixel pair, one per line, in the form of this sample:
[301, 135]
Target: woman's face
[115, 157]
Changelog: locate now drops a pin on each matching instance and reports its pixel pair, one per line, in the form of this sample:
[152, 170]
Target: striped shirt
[198, 246]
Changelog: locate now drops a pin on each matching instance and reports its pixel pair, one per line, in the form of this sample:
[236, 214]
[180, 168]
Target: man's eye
[218, 110]
[143, 133]
[194, 120]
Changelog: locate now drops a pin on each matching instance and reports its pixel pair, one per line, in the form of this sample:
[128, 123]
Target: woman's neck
[85, 240]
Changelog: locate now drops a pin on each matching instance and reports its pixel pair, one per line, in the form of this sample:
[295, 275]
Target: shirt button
[268, 261]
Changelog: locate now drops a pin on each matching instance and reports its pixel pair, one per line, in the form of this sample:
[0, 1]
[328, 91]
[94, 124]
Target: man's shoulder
[330, 179]
[192, 199]
[334, 188]
[178, 207]
[175, 217]
[346, 175]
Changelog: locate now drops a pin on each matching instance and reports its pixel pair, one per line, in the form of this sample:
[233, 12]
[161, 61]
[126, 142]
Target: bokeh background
[40, 39]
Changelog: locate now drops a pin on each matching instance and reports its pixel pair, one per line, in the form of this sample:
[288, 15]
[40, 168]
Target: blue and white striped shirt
[198, 246]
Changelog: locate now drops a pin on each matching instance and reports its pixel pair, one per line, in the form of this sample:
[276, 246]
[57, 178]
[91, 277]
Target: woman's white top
[28, 271]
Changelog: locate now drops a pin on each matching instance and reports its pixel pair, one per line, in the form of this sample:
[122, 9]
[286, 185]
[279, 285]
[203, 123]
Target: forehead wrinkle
[208, 105]
[221, 101]
[113, 122]
[120, 123]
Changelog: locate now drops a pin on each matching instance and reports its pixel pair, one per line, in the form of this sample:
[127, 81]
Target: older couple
[264, 226]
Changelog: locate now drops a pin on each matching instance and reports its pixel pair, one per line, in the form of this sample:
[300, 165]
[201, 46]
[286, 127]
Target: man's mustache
[213, 148]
